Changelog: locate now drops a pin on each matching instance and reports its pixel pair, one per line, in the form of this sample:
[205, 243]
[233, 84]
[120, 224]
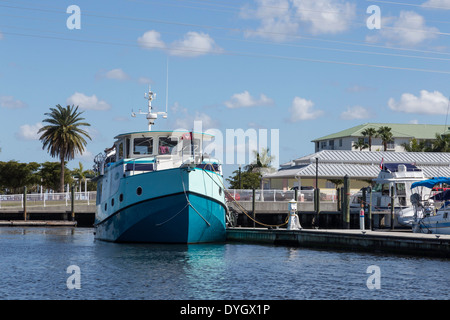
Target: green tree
[250, 180]
[415, 146]
[360, 144]
[15, 175]
[441, 143]
[385, 134]
[262, 161]
[82, 175]
[369, 132]
[50, 173]
[63, 135]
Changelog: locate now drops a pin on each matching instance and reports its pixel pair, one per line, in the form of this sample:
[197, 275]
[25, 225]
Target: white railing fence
[88, 198]
[272, 195]
[47, 199]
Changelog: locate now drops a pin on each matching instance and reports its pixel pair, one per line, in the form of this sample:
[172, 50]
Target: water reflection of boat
[432, 218]
[158, 186]
[393, 181]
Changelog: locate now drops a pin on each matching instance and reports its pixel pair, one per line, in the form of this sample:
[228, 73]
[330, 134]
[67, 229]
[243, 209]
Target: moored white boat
[393, 181]
[433, 220]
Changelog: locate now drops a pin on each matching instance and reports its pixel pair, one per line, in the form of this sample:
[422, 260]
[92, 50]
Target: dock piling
[25, 203]
[346, 203]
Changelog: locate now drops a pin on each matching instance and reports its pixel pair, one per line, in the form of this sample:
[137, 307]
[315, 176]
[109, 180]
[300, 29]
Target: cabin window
[127, 147]
[166, 144]
[401, 191]
[383, 188]
[186, 147]
[120, 150]
[143, 146]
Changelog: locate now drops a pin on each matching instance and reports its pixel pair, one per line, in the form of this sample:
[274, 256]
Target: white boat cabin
[146, 151]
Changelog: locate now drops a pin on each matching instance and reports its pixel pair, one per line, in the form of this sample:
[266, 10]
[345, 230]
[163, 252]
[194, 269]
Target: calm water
[34, 262]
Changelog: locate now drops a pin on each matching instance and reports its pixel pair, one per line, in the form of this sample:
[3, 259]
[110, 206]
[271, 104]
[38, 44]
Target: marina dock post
[392, 207]
[25, 203]
[72, 202]
[346, 203]
[369, 208]
[253, 207]
[363, 209]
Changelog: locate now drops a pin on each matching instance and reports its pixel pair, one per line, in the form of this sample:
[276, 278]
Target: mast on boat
[151, 116]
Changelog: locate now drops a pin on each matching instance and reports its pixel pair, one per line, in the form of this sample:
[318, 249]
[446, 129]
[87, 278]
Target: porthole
[112, 202]
[121, 197]
[220, 191]
[106, 206]
[139, 191]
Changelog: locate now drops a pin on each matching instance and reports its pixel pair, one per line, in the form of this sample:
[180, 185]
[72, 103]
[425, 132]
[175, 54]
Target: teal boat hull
[175, 206]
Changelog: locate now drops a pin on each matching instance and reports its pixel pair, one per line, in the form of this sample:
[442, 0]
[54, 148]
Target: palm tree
[441, 143]
[415, 146]
[385, 134]
[81, 175]
[63, 136]
[262, 161]
[369, 132]
[360, 144]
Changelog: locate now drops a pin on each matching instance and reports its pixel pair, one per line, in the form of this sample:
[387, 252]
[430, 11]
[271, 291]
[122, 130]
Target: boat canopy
[443, 196]
[430, 183]
[394, 167]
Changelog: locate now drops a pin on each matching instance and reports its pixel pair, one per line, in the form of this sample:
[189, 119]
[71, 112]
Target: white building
[402, 133]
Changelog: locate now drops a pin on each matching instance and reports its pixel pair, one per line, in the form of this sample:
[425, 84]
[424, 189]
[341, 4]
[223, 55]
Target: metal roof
[362, 165]
[369, 157]
[399, 130]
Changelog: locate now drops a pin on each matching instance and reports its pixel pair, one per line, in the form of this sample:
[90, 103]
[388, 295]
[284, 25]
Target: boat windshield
[381, 187]
[173, 145]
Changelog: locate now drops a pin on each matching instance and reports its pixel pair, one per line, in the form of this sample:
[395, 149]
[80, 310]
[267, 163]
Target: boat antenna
[151, 116]
[167, 83]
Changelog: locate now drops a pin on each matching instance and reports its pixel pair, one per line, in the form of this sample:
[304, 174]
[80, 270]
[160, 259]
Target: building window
[323, 145]
[340, 142]
[331, 144]
[391, 145]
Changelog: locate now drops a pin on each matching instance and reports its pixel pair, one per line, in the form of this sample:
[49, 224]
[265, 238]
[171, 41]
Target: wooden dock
[37, 223]
[407, 243]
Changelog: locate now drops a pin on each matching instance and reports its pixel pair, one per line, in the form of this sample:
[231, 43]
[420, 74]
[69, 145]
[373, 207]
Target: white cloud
[117, 74]
[87, 102]
[302, 109]
[151, 40]
[9, 103]
[244, 100]
[427, 103]
[145, 80]
[409, 29]
[193, 44]
[86, 156]
[277, 21]
[437, 4]
[280, 19]
[325, 16]
[356, 112]
[185, 119]
[29, 131]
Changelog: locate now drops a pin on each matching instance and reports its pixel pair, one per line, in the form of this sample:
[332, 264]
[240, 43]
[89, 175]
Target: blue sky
[308, 68]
